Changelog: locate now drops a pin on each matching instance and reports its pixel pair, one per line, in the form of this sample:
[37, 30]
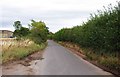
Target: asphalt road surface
[60, 61]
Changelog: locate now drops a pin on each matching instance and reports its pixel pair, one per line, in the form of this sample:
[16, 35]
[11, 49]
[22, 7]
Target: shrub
[101, 31]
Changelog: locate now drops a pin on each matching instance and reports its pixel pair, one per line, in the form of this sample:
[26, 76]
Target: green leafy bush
[39, 32]
[101, 31]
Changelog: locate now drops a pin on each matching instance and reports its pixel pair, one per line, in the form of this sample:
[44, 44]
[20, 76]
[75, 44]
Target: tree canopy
[39, 31]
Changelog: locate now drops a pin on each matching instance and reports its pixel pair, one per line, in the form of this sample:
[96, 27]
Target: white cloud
[55, 13]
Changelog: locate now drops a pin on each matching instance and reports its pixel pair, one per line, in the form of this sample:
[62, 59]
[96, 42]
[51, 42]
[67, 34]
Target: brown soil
[24, 66]
[27, 60]
[35, 56]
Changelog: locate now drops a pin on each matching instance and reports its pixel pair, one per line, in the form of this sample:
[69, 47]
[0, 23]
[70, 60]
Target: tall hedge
[101, 31]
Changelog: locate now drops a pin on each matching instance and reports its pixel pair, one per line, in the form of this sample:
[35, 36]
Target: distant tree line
[101, 31]
[36, 32]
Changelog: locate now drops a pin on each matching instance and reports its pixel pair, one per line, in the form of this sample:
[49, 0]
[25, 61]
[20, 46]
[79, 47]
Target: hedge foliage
[101, 31]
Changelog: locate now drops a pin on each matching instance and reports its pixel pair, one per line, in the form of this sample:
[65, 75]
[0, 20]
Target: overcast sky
[56, 14]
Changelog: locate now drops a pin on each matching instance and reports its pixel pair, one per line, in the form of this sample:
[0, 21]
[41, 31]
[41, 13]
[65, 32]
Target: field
[16, 50]
[7, 43]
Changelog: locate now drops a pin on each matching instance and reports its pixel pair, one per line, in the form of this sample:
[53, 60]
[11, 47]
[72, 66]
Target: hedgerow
[101, 34]
[101, 31]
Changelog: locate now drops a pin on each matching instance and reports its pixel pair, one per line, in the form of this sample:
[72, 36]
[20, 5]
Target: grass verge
[107, 61]
[18, 53]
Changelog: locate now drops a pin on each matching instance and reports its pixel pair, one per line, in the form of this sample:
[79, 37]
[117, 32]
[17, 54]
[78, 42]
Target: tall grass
[16, 50]
[7, 43]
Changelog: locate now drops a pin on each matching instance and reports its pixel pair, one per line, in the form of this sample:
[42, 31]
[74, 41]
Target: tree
[50, 35]
[23, 32]
[19, 30]
[17, 25]
[38, 31]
